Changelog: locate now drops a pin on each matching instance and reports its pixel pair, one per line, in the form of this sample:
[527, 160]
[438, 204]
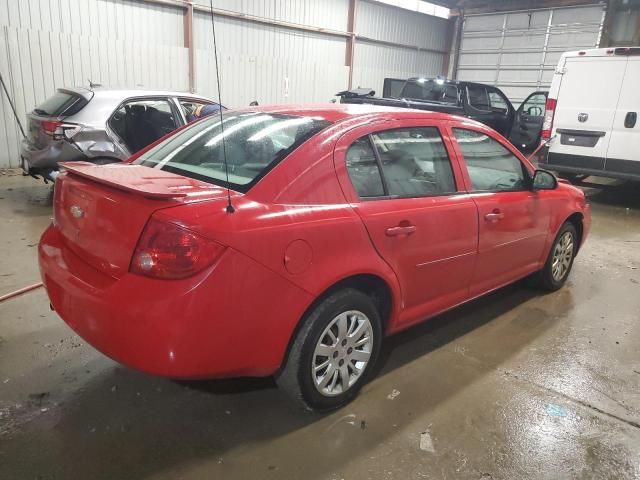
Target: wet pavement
[519, 384]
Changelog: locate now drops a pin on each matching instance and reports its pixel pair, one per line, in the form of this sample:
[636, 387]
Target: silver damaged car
[102, 125]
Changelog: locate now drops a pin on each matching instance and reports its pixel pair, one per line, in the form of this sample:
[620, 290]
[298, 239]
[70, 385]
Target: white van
[591, 114]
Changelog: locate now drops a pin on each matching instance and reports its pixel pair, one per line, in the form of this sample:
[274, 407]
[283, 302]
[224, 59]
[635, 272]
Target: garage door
[518, 51]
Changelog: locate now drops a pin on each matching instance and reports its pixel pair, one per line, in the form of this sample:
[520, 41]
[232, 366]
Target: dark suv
[484, 103]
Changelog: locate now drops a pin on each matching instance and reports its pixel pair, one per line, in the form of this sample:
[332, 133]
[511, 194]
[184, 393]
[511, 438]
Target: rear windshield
[254, 142]
[62, 103]
[430, 91]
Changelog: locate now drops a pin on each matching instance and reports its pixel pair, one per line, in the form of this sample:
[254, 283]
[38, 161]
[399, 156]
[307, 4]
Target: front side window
[414, 162]
[534, 105]
[194, 109]
[490, 165]
[478, 97]
[254, 142]
[141, 122]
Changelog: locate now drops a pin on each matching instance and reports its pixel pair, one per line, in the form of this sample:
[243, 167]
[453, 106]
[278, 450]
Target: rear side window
[363, 169]
[490, 165]
[414, 162]
[254, 142]
[194, 110]
[498, 102]
[478, 97]
[62, 103]
[141, 122]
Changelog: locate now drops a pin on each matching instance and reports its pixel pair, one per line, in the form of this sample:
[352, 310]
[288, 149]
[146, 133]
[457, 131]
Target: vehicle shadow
[124, 424]
[614, 193]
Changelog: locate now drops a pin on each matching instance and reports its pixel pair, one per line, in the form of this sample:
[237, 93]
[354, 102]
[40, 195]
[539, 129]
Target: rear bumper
[43, 161]
[595, 166]
[205, 326]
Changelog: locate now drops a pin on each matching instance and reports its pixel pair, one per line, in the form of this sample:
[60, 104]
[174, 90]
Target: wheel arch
[576, 219]
[379, 289]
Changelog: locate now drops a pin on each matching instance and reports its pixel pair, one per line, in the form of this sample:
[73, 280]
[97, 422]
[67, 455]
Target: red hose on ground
[20, 291]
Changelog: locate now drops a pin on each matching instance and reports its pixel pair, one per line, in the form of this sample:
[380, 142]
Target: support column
[351, 39]
[188, 44]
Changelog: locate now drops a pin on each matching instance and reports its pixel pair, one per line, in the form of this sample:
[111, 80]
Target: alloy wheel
[342, 353]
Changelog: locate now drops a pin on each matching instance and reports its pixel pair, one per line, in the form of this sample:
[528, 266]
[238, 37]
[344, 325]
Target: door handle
[396, 231]
[630, 119]
[494, 216]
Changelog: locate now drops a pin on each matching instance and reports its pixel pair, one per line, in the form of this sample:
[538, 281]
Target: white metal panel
[518, 51]
[373, 63]
[329, 14]
[398, 25]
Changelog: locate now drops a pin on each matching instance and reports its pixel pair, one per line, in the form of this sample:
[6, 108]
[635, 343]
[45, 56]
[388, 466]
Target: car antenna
[229, 208]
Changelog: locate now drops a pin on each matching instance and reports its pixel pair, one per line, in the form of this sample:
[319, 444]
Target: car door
[400, 179]
[513, 219]
[527, 124]
[138, 122]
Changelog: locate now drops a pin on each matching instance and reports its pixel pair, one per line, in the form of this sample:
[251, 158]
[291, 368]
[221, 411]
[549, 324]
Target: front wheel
[560, 260]
[333, 352]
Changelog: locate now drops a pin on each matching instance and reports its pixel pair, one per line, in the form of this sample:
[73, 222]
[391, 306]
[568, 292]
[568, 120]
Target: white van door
[586, 107]
[623, 154]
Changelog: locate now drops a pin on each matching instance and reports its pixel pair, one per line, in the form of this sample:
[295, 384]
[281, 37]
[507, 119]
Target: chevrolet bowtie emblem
[76, 211]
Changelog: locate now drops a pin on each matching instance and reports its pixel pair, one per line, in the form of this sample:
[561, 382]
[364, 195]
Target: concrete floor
[516, 385]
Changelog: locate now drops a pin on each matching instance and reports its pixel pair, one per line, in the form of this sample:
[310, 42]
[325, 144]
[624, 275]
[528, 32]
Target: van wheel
[560, 260]
[333, 352]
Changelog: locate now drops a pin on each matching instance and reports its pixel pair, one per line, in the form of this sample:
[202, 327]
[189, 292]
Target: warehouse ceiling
[478, 6]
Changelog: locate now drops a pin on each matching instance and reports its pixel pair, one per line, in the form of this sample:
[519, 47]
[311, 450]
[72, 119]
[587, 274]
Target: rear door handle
[395, 231]
[494, 216]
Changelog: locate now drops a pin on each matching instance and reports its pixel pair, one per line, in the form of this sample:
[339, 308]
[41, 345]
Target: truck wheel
[333, 352]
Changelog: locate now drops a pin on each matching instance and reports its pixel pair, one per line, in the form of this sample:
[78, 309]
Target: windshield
[254, 142]
[430, 91]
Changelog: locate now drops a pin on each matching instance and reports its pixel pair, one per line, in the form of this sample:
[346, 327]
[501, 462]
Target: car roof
[121, 93]
[337, 112]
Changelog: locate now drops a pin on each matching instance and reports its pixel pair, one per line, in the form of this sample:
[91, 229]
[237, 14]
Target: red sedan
[288, 241]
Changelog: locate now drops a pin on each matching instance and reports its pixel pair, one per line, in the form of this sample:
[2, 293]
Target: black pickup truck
[484, 103]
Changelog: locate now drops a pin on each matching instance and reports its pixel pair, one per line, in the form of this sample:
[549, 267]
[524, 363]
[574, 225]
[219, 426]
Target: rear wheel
[333, 352]
[560, 260]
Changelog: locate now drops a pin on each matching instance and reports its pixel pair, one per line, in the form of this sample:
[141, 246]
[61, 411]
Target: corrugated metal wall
[373, 62]
[518, 51]
[46, 44]
[272, 64]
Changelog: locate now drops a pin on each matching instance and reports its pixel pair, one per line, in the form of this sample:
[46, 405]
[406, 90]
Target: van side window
[491, 166]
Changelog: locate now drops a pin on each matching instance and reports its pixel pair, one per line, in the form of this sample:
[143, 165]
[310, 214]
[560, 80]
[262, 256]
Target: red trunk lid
[102, 210]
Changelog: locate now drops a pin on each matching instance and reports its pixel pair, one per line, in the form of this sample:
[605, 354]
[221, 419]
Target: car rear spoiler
[356, 92]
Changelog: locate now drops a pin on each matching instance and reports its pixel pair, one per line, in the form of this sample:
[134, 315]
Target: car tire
[560, 260]
[343, 331]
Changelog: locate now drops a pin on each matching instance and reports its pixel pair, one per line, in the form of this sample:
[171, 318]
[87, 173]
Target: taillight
[168, 251]
[549, 112]
[59, 130]
[50, 126]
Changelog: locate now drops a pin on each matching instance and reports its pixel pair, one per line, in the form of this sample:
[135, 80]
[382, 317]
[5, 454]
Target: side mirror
[544, 180]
